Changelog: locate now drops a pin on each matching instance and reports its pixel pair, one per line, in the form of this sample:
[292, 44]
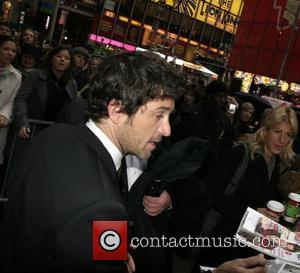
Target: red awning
[262, 38]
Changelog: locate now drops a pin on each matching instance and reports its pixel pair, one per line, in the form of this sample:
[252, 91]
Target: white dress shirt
[114, 152]
[135, 165]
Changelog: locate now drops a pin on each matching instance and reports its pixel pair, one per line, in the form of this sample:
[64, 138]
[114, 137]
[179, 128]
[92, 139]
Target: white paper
[269, 237]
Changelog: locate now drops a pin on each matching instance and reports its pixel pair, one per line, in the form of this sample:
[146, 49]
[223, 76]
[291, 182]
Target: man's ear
[114, 110]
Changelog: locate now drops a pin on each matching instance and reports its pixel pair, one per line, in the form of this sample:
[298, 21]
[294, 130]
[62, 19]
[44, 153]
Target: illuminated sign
[106, 41]
[223, 14]
[63, 17]
[47, 6]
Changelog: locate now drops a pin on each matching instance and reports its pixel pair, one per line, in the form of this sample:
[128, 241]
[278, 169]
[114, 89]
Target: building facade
[198, 31]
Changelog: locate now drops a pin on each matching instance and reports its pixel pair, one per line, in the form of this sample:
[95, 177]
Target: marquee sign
[223, 14]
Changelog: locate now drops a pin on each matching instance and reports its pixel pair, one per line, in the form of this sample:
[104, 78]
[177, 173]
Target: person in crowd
[69, 175]
[254, 86]
[243, 120]
[296, 162]
[47, 45]
[93, 64]
[207, 120]
[289, 182]
[270, 150]
[191, 94]
[81, 57]
[28, 59]
[10, 81]
[235, 85]
[27, 37]
[265, 90]
[45, 91]
[5, 30]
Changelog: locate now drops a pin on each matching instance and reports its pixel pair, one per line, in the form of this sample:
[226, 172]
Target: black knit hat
[31, 50]
[216, 87]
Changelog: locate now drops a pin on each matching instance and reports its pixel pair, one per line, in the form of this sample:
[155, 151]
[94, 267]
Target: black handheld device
[155, 188]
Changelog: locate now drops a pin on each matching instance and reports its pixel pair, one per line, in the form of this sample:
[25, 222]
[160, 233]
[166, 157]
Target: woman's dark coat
[31, 100]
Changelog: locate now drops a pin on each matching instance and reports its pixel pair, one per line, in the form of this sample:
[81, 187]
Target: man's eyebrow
[163, 108]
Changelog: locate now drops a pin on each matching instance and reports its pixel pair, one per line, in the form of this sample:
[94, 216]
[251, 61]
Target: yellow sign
[223, 14]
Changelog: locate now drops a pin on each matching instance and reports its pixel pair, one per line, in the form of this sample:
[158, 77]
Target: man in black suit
[68, 176]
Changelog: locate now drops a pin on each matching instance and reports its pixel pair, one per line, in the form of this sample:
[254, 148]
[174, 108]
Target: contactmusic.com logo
[109, 240]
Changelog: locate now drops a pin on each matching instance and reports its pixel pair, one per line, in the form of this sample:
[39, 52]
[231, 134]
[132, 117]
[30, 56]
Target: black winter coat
[200, 121]
[174, 167]
[31, 99]
[254, 191]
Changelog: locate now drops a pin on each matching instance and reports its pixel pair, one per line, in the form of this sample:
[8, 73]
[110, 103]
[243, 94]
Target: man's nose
[165, 129]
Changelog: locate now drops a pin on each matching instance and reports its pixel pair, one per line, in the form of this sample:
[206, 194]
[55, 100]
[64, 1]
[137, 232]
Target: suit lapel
[104, 157]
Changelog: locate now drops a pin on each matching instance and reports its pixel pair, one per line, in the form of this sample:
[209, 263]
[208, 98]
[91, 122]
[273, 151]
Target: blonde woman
[275, 136]
[270, 153]
[243, 120]
[28, 37]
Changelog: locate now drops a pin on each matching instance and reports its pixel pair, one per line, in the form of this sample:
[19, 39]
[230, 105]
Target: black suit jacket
[65, 180]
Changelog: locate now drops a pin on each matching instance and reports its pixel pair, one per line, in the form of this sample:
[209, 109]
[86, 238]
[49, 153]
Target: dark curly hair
[6, 38]
[215, 87]
[134, 79]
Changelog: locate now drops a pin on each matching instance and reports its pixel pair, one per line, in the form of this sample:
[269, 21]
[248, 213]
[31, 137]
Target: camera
[232, 108]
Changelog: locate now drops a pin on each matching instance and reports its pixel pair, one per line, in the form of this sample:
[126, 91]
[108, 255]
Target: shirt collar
[261, 153]
[6, 70]
[11, 69]
[107, 143]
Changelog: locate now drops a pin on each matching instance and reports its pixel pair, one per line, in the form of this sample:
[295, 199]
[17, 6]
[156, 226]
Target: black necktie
[122, 179]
